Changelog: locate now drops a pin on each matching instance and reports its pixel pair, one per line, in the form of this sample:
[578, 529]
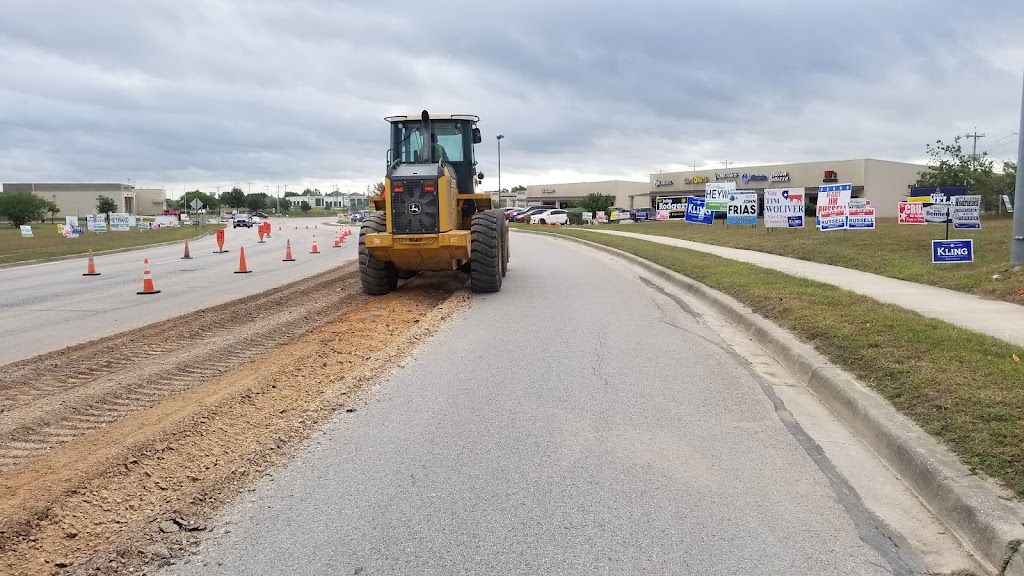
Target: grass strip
[962, 387]
[47, 243]
[895, 250]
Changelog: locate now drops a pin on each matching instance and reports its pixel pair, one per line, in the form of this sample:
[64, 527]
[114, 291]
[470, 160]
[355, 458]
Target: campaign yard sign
[716, 196]
[601, 217]
[26, 231]
[96, 222]
[742, 209]
[784, 208]
[948, 251]
[120, 221]
[911, 213]
[833, 201]
[860, 214]
[966, 212]
[665, 214]
[71, 220]
[674, 205]
[696, 213]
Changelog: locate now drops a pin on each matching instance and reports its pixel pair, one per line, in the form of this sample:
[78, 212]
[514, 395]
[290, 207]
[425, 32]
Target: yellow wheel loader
[428, 216]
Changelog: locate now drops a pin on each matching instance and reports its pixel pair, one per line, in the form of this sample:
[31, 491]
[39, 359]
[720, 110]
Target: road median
[944, 407]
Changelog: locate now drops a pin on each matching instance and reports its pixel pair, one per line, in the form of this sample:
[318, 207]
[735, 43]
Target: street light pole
[500, 136]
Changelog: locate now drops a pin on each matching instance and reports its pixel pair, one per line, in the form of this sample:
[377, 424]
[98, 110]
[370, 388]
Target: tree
[233, 199]
[256, 201]
[378, 188]
[290, 194]
[305, 207]
[22, 207]
[105, 204]
[950, 166]
[52, 208]
[310, 192]
[208, 200]
[594, 202]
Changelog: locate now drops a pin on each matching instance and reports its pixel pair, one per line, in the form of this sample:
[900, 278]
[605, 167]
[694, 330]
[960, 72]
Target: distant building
[883, 182]
[562, 195]
[79, 199]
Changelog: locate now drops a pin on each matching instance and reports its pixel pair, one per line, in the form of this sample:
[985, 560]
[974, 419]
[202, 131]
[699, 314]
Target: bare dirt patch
[136, 491]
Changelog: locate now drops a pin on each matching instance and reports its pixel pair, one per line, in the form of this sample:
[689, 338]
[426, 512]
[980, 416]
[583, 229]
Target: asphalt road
[580, 421]
[46, 307]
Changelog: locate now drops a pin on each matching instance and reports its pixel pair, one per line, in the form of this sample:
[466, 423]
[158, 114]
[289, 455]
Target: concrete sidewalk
[1002, 320]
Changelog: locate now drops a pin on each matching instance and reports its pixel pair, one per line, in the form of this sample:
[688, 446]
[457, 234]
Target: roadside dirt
[116, 453]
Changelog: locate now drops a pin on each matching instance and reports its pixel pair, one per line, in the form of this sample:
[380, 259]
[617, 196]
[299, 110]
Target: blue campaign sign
[944, 251]
[696, 214]
[939, 193]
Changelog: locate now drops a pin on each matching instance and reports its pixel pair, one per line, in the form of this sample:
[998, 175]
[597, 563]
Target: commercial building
[884, 183]
[79, 199]
[562, 195]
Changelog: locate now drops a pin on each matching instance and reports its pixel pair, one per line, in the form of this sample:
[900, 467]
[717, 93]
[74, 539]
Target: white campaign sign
[120, 221]
[784, 208]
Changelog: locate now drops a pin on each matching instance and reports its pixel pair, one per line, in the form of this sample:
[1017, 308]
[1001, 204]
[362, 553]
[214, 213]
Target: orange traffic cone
[337, 241]
[91, 270]
[343, 238]
[315, 227]
[558, 224]
[288, 252]
[147, 281]
[186, 256]
[314, 250]
[549, 224]
[241, 262]
[261, 231]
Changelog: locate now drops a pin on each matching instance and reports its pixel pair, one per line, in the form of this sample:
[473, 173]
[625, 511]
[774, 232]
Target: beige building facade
[883, 182]
[79, 199]
[562, 195]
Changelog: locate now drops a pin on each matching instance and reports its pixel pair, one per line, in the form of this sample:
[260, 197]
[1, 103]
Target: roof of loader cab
[417, 117]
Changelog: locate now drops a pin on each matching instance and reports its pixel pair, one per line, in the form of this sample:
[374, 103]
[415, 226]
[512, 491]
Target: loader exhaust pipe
[428, 134]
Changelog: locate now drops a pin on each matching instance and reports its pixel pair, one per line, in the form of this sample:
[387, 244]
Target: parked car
[641, 214]
[510, 210]
[261, 214]
[523, 215]
[241, 220]
[554, 216]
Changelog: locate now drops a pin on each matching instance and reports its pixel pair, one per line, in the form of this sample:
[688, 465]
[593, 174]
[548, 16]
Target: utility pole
[695, 166]
[726, 164]
[1017, 244]
[974, 152]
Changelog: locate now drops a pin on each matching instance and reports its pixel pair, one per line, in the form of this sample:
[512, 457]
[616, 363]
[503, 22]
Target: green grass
[962, 387]
[894, 250]
[47, 243]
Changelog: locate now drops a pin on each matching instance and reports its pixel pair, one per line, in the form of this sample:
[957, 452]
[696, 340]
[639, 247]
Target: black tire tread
[376, 276]
[486, 252]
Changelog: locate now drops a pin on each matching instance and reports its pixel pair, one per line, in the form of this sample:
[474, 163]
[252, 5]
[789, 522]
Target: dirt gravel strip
[135, 493]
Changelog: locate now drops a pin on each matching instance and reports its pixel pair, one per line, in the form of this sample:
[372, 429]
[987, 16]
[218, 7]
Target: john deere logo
[415, 208]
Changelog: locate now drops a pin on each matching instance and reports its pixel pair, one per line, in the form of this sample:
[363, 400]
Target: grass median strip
[895, 250]
[47, 243]
[964, 388]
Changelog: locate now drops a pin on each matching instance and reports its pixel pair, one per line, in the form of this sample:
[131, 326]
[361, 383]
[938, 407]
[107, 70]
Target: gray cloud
[205, 93]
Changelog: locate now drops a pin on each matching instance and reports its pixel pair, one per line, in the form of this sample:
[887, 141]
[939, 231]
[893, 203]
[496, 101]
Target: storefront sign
[860, 214]
[726, 175]
[833, 202]
[753, 177]
[784, 208]
[658, 183]
[966, 212]
[911, 213]
[716, 195]
[547, 190]
[696, 214]
[779, 177]
[742, 209]
[830, 176]
[948, 251]
[696, 180]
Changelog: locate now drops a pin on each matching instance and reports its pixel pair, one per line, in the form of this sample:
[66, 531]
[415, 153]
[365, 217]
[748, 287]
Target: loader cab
[453, 139]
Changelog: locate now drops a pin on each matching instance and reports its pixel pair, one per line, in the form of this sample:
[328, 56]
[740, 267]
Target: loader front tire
[377, 276]
[487, 252]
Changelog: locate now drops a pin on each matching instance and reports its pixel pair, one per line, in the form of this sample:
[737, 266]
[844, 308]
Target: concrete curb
[86, 255]
[990, 527]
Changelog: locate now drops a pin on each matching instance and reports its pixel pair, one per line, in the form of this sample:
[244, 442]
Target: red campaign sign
[912, 213]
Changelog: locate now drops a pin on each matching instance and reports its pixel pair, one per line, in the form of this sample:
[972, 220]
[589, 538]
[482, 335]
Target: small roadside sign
[588, 216]
[26, 232]
[950, 251]
[196, 204]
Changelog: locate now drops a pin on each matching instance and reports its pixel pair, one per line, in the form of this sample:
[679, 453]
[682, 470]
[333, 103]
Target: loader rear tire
[486, 252]
[377, 276]
[504, 245]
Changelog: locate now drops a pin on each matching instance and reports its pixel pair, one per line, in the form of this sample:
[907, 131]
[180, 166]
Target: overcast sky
[205, 93]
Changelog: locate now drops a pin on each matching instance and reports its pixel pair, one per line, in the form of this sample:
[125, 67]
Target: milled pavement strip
[1003, 320]
[989, 526]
